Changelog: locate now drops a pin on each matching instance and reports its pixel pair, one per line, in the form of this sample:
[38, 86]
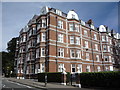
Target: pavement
[40, 85]
[31, 84]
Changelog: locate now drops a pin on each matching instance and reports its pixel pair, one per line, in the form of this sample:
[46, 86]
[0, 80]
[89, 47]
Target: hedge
[109, 79]
[51, 77]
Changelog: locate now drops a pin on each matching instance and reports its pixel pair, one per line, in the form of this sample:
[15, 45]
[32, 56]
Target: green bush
[100, 79]
[51, 77]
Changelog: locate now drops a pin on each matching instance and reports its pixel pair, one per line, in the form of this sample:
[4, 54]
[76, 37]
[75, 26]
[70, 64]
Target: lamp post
[71, 77]
[45, 79]
[11, 73]
[78, 77]
[64, 76]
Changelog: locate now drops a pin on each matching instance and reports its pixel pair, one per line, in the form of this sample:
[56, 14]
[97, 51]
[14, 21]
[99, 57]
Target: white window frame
[77, 27]
[95, 36]
[71, 53]
[104, 47]
[106, 57]
[87, 56]
[27, 71]
[108, 48]
[71, 39]
[43, 37]
[29, 33]
[60, 67]
[80, 66]
[24, 38]
[107, 38]
[60, 38]
[42, 67]
[96, 46]
[110, 41]
[37, 53]
[71, 27]
[59, 12]
[110, 59]
[111, 68]
[38, 38]
[61, 51]
[85, 33]
[73, 67]
[77, 40]
[34, 31]
[36, 68]
[60, 24]
[42, 51]
[78, 54]
[43, 23]
[88, 68]
[98, 68]
[97, 58]
[106, 68]
[86, 44]
[103, 38]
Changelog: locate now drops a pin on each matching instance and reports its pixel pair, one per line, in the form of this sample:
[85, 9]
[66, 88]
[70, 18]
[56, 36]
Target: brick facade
[53, 41]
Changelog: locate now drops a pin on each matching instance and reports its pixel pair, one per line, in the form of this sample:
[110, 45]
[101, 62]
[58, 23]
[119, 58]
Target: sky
[15, 15]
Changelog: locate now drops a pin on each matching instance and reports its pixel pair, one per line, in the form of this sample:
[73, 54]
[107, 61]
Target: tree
[8, 58]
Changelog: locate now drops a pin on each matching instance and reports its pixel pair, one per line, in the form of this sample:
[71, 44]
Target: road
[9, 85]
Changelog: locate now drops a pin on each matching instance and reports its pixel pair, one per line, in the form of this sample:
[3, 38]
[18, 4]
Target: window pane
[43, 37]
[71, 27]
[71, 39]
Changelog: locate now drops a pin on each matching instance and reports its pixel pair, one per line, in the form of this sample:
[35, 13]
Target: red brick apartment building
[55, 40]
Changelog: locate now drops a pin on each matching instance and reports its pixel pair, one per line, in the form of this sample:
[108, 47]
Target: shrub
[51, 77]
[100, 79]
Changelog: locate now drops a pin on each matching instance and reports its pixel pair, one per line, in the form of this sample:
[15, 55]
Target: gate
[73, 79]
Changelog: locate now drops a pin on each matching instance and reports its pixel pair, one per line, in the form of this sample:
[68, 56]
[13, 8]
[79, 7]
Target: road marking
[23, 85]
[20, 84]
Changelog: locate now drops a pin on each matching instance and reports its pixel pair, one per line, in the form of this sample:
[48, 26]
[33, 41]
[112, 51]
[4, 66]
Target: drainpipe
[46, 48]
[56, 46]
[100, 37]
[92, 51]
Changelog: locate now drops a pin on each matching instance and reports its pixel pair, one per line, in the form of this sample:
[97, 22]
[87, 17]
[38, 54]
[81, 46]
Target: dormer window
[59, 12]
[102, 29]
[44, 10]
[92, 27]
[82, 22]
[73, 16]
